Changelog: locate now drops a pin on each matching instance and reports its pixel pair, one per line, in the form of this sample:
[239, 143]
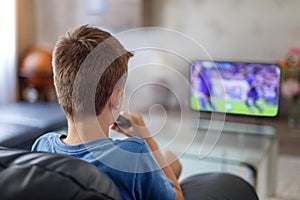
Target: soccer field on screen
[234, 107]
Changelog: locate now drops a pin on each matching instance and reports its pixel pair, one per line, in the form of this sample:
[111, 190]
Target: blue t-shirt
[129, 163]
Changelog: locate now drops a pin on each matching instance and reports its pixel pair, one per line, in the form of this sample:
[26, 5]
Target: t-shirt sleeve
[37, 144]
[42, 143]
[153, 184]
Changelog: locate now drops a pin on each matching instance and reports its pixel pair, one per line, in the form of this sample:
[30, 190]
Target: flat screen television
[242, 88]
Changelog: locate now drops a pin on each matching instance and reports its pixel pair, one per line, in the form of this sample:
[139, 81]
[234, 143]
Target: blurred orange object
[37, 67]
[35, 73]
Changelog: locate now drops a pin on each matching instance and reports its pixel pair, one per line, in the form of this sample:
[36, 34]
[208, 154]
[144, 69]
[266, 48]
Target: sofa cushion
[46, 116]
[13, 135]
[21, 123]
[217, 186]
[28, 175]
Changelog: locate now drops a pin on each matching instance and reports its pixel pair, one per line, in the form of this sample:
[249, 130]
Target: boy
[90, 68]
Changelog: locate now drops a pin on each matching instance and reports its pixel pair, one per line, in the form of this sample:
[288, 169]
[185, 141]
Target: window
[7, 51]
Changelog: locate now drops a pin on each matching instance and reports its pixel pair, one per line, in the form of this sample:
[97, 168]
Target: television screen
[235, 87]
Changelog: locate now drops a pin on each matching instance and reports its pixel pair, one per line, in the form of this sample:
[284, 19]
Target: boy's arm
[139, 129]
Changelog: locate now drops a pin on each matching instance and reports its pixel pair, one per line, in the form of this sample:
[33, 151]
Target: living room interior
[166, 37]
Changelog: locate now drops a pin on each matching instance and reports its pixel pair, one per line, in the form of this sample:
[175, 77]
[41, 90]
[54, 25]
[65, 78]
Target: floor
[288, 175]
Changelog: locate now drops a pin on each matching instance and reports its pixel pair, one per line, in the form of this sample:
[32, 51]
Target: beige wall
[26, 32]
[54, 17]
[26, 36]
[234, 29]
[231, 29]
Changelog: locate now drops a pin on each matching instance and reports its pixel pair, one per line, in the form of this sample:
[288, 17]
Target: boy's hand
[137, 128]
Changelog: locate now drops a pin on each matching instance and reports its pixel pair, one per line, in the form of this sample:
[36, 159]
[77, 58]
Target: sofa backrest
[38, 175]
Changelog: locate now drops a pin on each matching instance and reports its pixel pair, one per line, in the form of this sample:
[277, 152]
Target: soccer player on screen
[202, 86]
[252, 94]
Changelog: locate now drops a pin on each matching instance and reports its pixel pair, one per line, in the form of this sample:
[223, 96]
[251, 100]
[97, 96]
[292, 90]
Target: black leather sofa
[43, 176]
[47, 176]
[21, 123]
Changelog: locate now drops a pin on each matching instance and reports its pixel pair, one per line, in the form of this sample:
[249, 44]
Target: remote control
[122, 122]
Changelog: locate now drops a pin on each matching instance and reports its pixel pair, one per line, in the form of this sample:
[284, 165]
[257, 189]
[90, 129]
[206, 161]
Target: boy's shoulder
[45, 140]
[50, 135]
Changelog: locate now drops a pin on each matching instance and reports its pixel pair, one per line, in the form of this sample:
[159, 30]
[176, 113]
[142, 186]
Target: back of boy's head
[88, 63]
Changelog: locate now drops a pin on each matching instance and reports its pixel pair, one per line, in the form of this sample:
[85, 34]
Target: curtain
[7, 51]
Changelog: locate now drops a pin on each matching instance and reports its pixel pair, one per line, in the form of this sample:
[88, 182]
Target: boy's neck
[86, 130]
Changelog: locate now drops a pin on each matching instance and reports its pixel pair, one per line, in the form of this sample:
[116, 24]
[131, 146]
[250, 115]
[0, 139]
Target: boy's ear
[116, 98]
